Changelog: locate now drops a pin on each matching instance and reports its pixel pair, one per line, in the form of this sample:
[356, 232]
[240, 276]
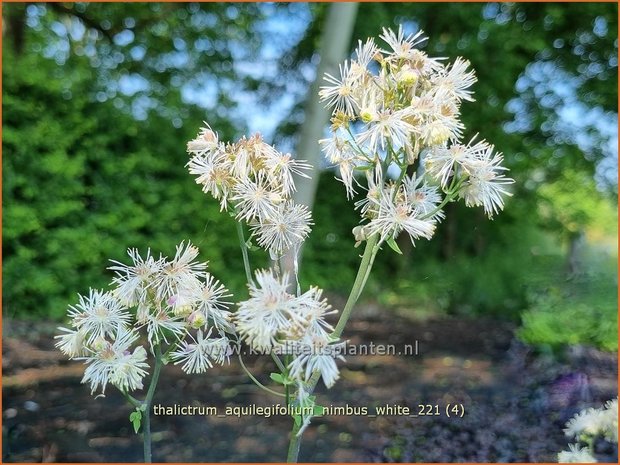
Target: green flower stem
[450, 196]
[370, 252]
[147, 404]
[244, 251]
[293, 446]
[368, 259]
[256, 381]
[132, 400]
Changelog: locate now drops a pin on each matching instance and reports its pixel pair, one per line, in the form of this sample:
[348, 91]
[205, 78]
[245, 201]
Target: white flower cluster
[171, 298]
[255, 182]
[585, 426]
[398, 107]
[272, 319]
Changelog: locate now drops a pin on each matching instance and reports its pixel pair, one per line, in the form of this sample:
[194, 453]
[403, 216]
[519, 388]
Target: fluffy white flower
[281, 167]
[113, 362]
[346, 168]
[214, 174]
[395, 215]
[341, 93]
[211, 300]
[588, 422]
[199, 355]
[387, 127]
[576, 454]
[487, 183]
[204, 143]
[402, 47]
[159, 322]
[98, 315]
[334, 147]
[441, 162]
[313, 309]
[128, 369]
[364, 54]
[456, 80]
[285, 229]
[315, 353]
[132, 280]
[268, 312]
[422, 197]
[256, 200]
[72, 342]
[181, 274]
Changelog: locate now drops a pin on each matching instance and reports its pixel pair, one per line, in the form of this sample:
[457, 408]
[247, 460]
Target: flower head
[393, 107]
[98, 315]
[199, 355]
[113, 362]
[286, 228]
[132, 280]
[267, 313]
[576, 454]
[315, 353]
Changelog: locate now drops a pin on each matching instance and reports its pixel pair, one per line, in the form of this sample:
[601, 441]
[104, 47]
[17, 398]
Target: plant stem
[257, 382]
[244, 252]
[146, 425]
[146, 431]
[363, 272]
[450, 196]
[293, 445]
[132, 400]
[370, 252]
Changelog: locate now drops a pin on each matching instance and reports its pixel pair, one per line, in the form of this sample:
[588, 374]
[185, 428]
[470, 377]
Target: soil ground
[515, 401]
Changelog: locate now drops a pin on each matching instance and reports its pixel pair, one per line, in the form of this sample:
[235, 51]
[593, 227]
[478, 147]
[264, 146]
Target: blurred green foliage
[82, 183]
[84, 179]
[579, 310]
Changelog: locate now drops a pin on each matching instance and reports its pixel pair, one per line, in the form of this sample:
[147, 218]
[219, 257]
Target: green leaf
[250, 246]
[136, 419]
[317, 411]
[297, 419]
[394, 246]
[278, 378]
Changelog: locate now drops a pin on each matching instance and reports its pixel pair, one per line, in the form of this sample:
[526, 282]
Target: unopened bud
[197, 319]
[208, 136]
[359, 233]
[275, 198]
[99, 344]
[408, 77]
[340, 120]
[438, 135]
[366, 116]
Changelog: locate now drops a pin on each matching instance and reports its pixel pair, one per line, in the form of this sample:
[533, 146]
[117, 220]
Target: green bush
[82, 182]
[581, 311]
[492, 281]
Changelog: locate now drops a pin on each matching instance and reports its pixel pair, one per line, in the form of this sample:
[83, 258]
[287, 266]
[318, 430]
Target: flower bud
[359, 233]
[367, 116]
[340, 120]
[275, 198]
[438, 134]
[182, 310]
[99, 344]
[407, 77]
[197, 319]
[206, 141]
